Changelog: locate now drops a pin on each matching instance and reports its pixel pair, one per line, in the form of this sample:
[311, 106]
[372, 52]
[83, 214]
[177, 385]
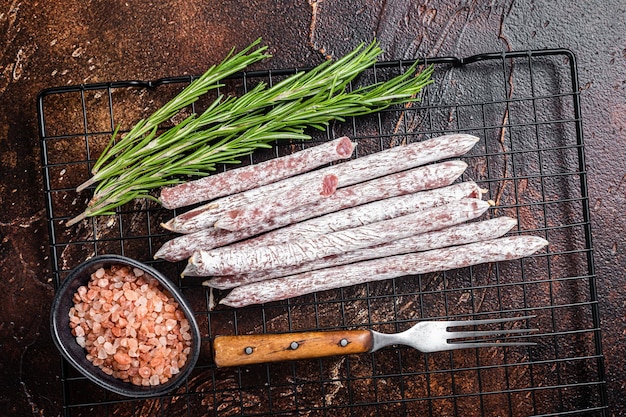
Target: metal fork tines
[434, 336]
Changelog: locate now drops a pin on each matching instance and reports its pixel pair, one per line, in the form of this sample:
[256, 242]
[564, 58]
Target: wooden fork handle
[262, 348]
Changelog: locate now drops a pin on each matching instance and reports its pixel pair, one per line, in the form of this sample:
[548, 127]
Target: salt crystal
[184, 325]
[124, 367]
[170, 324]
[100, 273]
[133, 344]
[102, 354]
[145, 372]
[131, 295]
[109, 348]
[142, 311]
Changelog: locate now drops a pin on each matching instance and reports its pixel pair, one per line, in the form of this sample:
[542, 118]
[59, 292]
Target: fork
[425, 336]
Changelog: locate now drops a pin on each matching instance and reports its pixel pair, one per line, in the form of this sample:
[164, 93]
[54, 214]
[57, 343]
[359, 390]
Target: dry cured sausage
[496, 250]
[451, 236]
[226, 261]
[428, 177]
[252, 176]
[365, 168]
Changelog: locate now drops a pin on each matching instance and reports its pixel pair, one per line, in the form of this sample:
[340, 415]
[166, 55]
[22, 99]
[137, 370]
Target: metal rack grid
[525, 108]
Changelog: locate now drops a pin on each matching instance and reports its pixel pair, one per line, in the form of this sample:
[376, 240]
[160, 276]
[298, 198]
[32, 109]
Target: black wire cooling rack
[525, 108]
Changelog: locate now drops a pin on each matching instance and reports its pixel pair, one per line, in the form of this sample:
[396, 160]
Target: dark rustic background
[47, 44]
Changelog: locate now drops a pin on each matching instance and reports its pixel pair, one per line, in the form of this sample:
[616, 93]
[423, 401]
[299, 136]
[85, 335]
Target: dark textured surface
[45, 44]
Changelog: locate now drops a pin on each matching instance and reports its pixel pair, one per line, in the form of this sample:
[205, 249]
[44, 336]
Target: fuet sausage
[226, 261]
[496, 250]
[307, 193]
[365, 168]
[253, 176]
[428, 177]
[451, 236]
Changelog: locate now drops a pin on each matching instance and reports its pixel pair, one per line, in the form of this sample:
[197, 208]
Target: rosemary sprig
[144, 131]
[234, 127]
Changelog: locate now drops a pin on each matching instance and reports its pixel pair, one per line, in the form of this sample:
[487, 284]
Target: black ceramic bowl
[76, 355]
